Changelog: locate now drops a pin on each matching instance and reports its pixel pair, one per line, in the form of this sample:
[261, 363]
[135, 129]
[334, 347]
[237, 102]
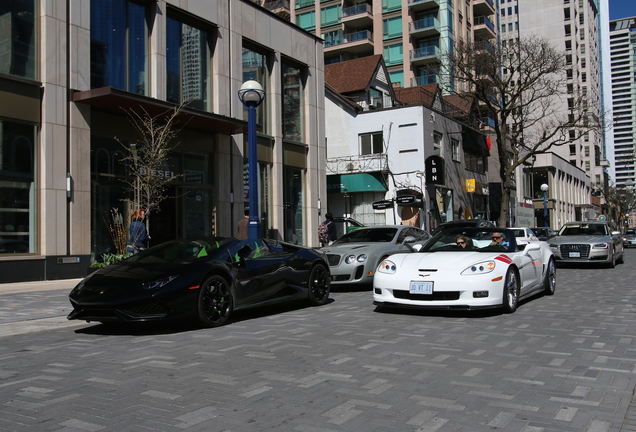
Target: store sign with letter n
[434, 166]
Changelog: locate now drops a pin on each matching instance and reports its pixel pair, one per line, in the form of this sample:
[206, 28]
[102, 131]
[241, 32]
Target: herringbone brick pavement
[561, 363]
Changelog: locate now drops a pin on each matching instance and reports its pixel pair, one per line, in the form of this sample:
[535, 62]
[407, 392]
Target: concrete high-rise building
[623, 58]
[571, 26]
[412, 35]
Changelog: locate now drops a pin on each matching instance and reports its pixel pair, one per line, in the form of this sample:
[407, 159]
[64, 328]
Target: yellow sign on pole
[470, 185]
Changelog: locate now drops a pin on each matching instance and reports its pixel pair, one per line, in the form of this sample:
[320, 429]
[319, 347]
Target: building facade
[412, 35]
[623, 89]
[73, 76]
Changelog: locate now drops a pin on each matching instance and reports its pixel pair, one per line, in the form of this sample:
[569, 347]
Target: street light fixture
[251, 95]
[544, 188]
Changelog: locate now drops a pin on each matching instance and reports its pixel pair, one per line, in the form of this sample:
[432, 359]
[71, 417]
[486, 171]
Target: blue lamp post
[544, 188]
[251, 95]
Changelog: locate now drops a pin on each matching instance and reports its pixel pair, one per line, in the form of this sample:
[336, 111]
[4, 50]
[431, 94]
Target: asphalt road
[561, 363]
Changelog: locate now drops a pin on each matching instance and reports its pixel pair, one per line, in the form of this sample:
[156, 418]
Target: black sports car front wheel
[319, 285]
[215, 302]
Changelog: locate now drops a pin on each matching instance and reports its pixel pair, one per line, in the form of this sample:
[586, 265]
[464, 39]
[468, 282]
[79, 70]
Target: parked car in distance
[464, 223]
[523, 235]
[354, 257]
[345, 224]
[466, 269]
[629, 238]
[588, 242]
[543, 233]
[202, 280]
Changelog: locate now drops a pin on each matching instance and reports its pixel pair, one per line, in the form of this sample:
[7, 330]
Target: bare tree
[147, 160]
[621, 200]
[523, 86]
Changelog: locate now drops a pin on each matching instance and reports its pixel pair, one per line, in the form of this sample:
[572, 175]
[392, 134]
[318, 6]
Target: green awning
[362, 182]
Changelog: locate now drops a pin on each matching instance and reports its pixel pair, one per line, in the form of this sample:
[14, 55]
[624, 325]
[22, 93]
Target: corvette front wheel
[510, 292]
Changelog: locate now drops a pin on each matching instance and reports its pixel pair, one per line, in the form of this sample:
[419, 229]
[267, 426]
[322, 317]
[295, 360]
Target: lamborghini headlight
[158, 283]
[387, 267]
[479, 268]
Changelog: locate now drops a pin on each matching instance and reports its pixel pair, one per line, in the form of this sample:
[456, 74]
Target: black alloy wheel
[215, 302]
[510, 291]
[319, 285]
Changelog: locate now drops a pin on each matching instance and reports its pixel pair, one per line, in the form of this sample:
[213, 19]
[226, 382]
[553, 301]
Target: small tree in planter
[147, 158]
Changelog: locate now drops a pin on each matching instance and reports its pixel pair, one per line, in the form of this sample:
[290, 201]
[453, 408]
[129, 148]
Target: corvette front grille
[436, 296]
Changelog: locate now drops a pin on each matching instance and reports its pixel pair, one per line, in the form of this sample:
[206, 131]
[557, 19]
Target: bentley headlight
[158, 283]
[387, 267]
[600, 246]
[479, 268]
[361, 258]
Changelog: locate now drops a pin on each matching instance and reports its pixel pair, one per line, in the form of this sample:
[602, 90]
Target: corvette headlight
[350, 259]
[158, 283]
[387, 267]
[479, 268]
[600, 246]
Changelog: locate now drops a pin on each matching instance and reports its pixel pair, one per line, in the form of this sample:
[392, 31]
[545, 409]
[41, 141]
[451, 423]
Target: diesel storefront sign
[158, 173]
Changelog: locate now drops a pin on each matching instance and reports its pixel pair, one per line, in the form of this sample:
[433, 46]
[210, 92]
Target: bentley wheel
[215, 302]
[318, 285]
[510, 292]
[549, 284]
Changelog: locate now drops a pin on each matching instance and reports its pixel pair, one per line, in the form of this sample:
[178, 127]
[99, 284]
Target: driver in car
[498, 239]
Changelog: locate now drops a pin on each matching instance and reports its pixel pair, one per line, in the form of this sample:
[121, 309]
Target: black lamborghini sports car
[203, 279]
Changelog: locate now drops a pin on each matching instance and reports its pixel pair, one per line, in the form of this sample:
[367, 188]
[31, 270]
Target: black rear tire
[216, 302]
[318, 285]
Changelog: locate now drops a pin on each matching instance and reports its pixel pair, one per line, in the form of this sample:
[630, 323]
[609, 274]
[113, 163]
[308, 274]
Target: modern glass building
[72, 77]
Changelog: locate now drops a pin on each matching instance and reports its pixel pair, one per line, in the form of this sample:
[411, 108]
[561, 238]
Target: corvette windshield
[368, 235]
[472, 240]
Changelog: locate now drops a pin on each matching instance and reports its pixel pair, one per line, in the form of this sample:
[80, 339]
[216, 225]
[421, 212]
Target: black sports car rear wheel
[215, 302]
[511, 292]
[319, 285]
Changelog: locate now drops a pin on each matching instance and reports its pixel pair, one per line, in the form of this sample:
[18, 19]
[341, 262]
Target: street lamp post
[251, 95]
[544, 188]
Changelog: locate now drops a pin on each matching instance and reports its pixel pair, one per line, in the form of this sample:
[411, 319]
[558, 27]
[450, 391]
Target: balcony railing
[304, 3]
[429, 52]
[357, 10]
[430, 23]
[276, 5]
[480, 20]
[357, 164]
[348, 38]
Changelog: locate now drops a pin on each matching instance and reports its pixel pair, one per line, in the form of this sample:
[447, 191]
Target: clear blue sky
[622, 8]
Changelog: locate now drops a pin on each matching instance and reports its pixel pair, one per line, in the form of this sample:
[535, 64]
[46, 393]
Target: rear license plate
[419, 287]
[575, 255]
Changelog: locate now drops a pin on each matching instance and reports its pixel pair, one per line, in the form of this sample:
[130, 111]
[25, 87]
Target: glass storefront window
[294, 196]
[255, 68]
[119, 48]
[17, 188]
[18, 38]
[187, 64]
[293, 103]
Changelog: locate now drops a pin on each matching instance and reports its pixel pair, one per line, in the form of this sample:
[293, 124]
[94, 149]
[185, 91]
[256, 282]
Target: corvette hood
[440, 260]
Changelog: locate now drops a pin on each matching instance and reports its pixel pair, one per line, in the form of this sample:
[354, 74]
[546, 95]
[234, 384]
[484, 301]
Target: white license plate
[575, 255]
[419, 287]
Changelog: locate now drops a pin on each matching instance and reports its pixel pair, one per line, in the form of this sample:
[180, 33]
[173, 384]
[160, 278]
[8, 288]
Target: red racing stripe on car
[504, 258]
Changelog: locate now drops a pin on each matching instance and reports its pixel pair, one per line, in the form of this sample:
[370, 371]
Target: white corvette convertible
[466, 268]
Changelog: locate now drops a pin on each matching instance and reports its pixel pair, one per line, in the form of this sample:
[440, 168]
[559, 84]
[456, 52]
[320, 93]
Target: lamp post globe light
[544, 188]
[251, 95]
